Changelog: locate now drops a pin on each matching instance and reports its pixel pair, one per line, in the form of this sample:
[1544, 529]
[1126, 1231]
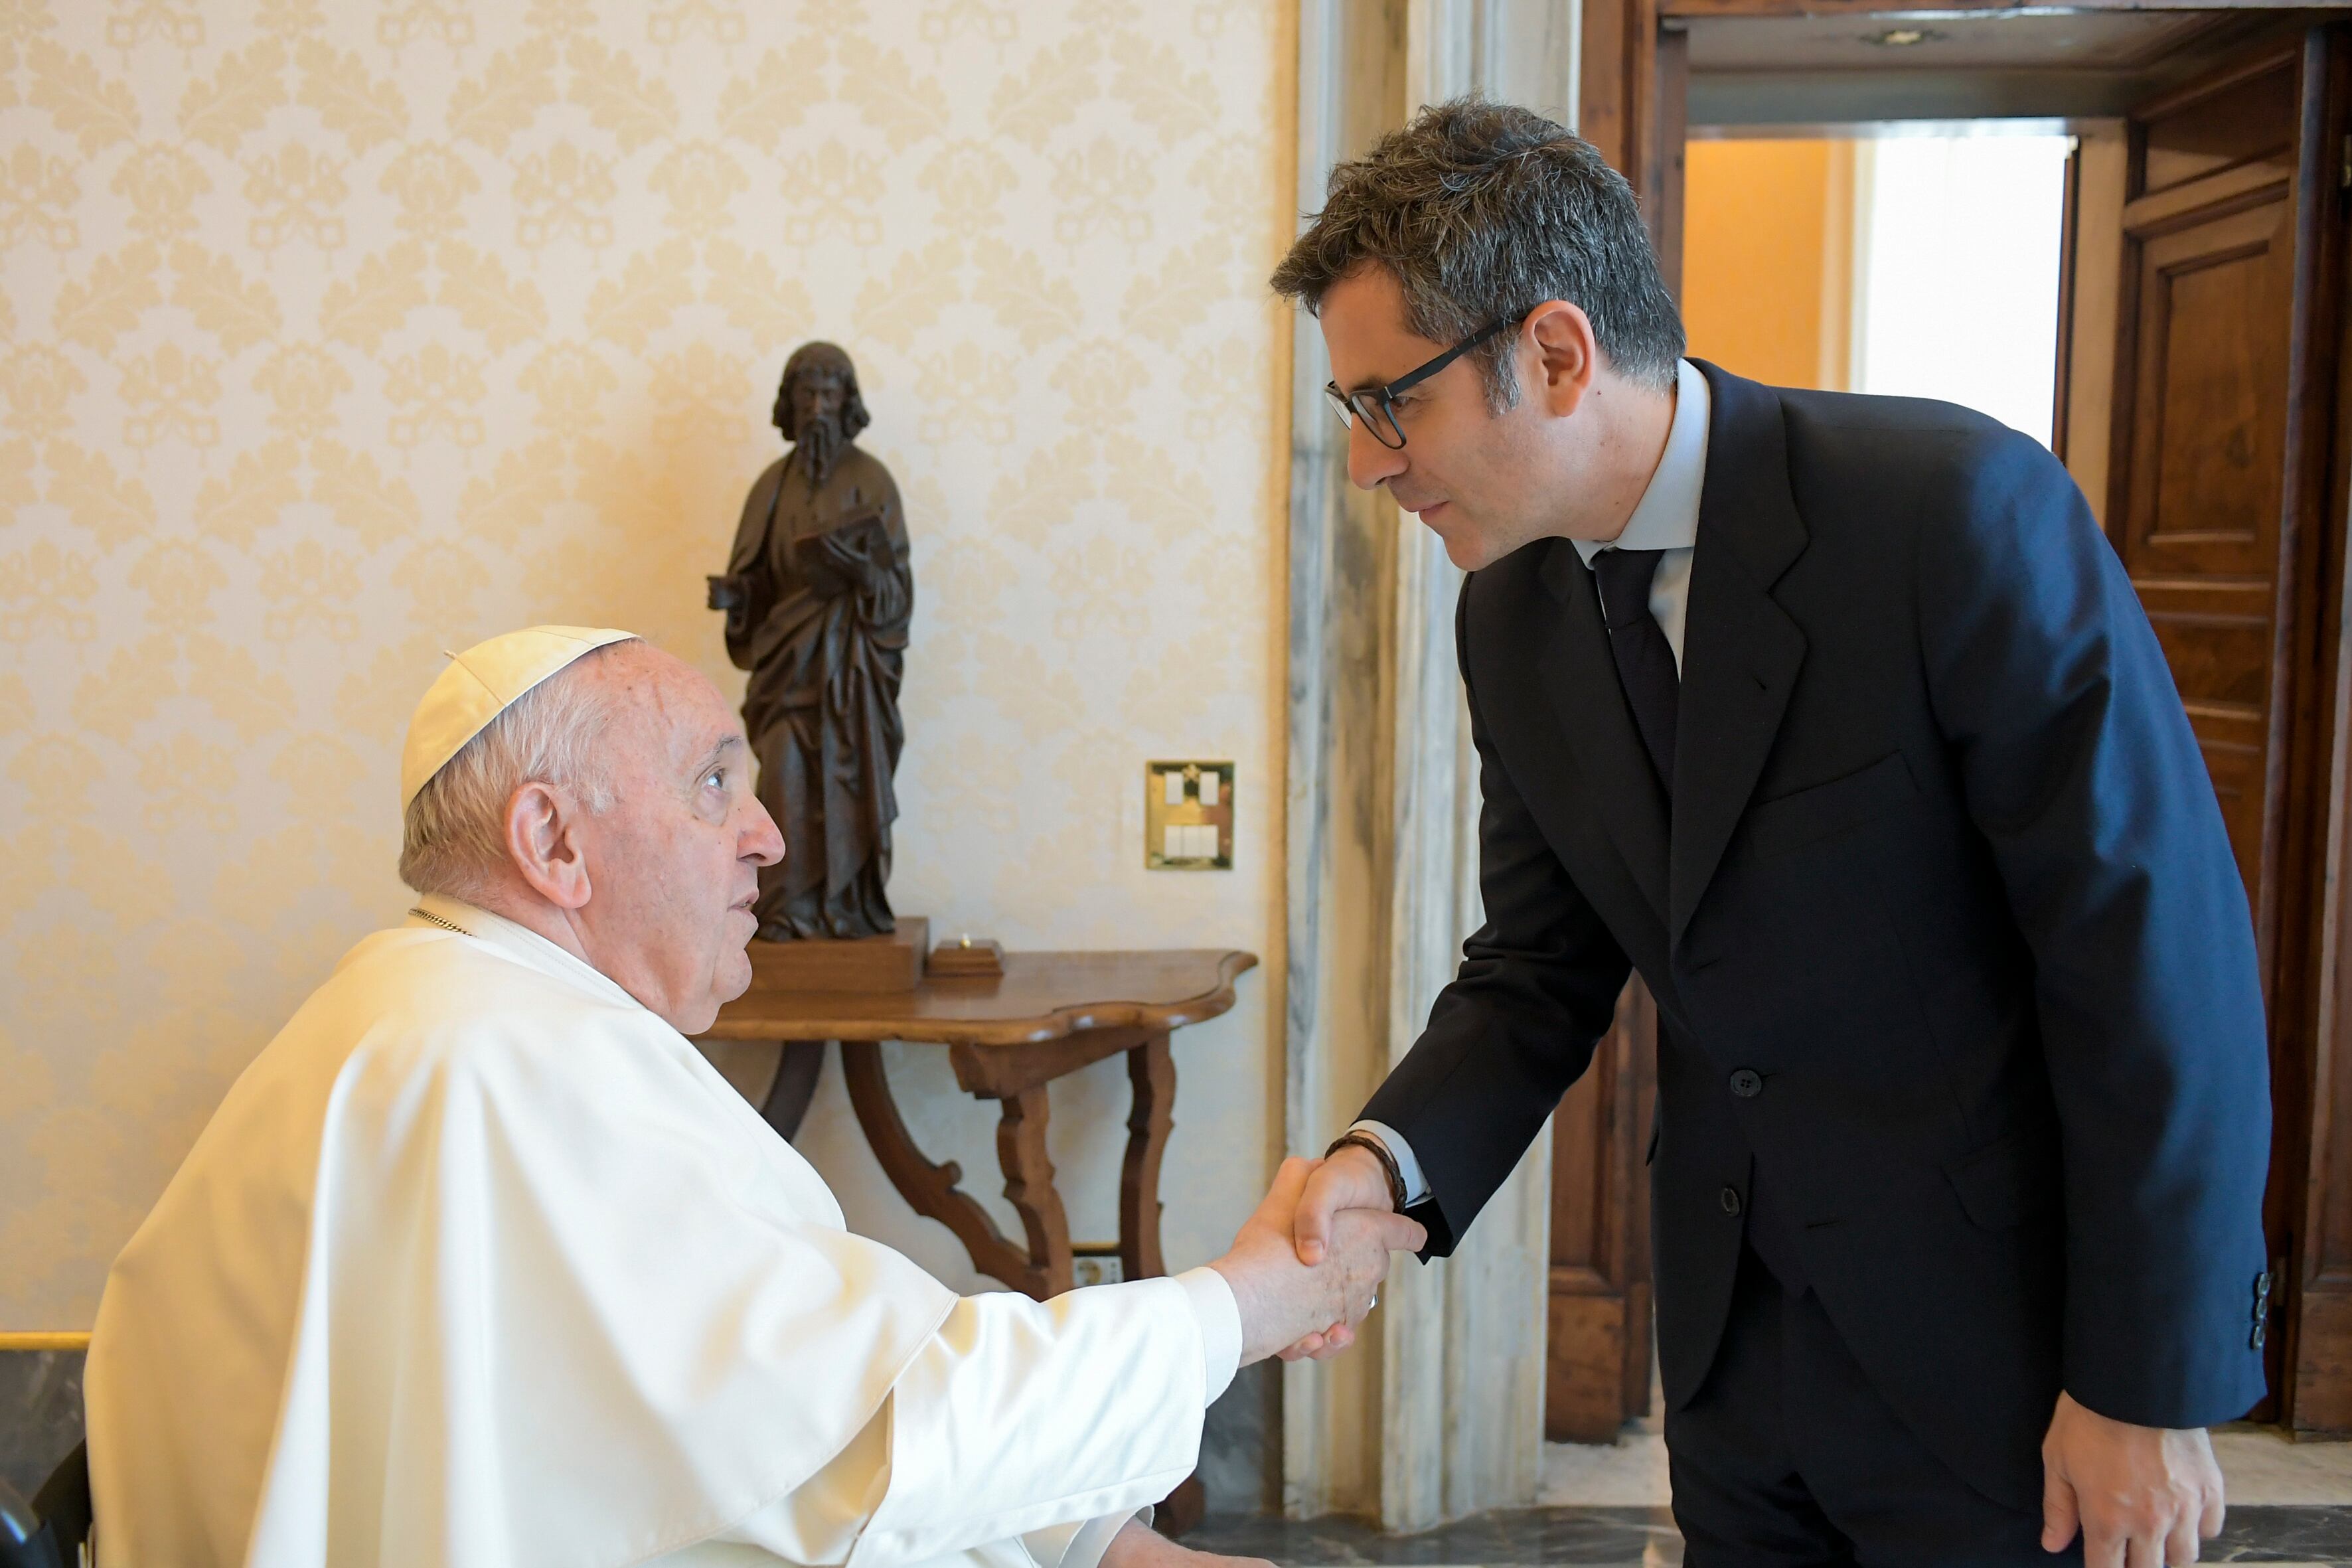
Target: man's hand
[1284, 1300]
[2141, 1495]
[1349, 1179]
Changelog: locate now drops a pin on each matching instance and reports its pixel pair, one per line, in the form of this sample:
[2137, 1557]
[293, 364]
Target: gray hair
[454, 836]
[1484, 211]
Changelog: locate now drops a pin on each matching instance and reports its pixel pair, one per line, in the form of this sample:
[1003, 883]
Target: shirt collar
[1667, 517]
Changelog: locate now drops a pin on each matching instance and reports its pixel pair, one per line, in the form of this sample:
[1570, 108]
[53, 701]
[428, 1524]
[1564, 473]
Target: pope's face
[674, 863]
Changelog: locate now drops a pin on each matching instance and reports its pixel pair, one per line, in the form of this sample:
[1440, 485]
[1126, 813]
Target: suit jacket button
[1729, 1199]
[1747, 1083]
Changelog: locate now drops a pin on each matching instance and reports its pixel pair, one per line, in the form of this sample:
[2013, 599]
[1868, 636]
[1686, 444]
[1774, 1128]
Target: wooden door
[2222, 418]
[2224, 373]
[1596, 1332]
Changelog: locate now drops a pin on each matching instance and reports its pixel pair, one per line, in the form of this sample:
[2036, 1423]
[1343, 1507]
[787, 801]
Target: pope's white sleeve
[1220, 1317]
[1082, 1545]
[1020, 1416]
[865, 1506]
[818, 1523]
[1079, 1545]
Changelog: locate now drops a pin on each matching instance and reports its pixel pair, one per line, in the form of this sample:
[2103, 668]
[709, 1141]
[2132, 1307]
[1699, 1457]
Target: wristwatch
[1380, 1151]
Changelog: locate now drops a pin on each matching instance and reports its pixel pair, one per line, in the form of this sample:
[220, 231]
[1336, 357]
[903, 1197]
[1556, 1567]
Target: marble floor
[2260, 1466]
[2290, 1504]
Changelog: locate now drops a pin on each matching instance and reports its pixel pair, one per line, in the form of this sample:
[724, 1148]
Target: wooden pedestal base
[866, 965]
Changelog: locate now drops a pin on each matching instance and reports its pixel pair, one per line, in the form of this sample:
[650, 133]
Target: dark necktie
[1646, 661]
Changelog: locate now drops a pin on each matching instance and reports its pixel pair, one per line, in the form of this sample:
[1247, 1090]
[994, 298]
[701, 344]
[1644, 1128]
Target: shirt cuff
[1220, 1317]
[1416, 1189]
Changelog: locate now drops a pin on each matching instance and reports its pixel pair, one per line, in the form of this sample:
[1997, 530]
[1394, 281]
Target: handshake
[1307, 1266]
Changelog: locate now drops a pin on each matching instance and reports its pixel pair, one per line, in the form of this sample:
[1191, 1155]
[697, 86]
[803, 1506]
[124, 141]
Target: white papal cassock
[480, 1262]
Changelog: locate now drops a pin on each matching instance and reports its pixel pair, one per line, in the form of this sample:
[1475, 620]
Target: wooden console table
[1007, 1038]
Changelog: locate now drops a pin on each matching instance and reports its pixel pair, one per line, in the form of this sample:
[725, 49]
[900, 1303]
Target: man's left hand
[2142, 1496]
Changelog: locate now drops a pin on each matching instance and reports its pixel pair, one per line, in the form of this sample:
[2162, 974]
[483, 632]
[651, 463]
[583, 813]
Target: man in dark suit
[1836, 717]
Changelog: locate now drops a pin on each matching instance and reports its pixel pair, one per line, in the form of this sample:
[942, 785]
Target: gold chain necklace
[425, 914]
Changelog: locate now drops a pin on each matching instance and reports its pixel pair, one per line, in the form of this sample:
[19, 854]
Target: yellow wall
[335, 335]
[1767, 259]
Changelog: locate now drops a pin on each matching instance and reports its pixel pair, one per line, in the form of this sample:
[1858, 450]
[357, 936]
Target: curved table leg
[798, 1063]
[933, 1191]
[1151, 1075]
[1029, 1187]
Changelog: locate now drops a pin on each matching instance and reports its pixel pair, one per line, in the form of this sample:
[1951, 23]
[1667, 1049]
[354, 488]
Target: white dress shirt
[1666, 519]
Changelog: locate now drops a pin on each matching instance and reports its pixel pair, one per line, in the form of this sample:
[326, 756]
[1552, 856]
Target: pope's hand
[2141, 1495]
[1284, 1300]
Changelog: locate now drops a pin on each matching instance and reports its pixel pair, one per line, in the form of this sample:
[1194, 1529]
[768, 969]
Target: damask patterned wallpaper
[334, 333]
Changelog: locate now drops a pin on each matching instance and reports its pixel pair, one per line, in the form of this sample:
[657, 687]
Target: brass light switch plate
[1188, 816]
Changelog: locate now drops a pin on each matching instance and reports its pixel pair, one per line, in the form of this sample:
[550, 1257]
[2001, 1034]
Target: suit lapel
[1741, 651]
[1580, 677]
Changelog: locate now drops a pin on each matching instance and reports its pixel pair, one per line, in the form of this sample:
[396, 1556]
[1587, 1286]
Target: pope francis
[480, 1262]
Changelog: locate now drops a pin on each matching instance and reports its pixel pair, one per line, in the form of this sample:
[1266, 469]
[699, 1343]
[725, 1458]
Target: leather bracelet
[1380, 1151]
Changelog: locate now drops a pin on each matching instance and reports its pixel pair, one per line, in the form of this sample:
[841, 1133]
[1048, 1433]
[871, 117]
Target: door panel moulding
[1796, 100]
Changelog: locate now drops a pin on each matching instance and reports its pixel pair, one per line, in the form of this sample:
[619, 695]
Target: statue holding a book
[818, 592]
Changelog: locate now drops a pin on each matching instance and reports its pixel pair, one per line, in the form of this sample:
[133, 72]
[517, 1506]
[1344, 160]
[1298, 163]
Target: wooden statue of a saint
[818, 592]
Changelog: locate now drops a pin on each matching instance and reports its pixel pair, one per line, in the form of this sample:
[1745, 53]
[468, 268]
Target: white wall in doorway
[1957, 259]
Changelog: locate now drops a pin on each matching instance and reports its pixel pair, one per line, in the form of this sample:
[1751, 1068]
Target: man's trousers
[1788, 1458]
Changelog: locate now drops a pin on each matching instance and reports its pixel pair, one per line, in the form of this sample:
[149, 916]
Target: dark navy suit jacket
[1942, 865]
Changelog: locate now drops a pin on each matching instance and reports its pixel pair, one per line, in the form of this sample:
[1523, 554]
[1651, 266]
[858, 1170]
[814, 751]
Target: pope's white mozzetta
[530, 1283]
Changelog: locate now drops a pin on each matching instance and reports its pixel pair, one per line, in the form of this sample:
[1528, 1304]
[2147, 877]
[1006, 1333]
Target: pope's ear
[543, 841]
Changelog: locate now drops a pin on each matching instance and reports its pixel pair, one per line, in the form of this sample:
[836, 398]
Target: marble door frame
[1438, 1410]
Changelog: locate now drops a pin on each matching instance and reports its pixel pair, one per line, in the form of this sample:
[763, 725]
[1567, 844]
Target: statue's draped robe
[823, 704]
[481, 1262]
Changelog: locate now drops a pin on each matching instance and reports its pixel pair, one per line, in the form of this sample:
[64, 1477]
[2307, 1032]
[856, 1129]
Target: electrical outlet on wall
[1095, 1272]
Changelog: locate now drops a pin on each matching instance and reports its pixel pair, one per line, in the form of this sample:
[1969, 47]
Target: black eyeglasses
[1375, 405]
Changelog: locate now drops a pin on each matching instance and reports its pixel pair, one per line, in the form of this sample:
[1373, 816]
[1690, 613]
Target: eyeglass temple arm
[1407, 382]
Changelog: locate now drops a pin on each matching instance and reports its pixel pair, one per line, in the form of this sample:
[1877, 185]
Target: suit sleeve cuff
[1220, 1317]
[1416, 1188]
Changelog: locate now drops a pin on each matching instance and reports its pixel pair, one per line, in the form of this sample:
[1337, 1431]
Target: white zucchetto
[480, 684]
